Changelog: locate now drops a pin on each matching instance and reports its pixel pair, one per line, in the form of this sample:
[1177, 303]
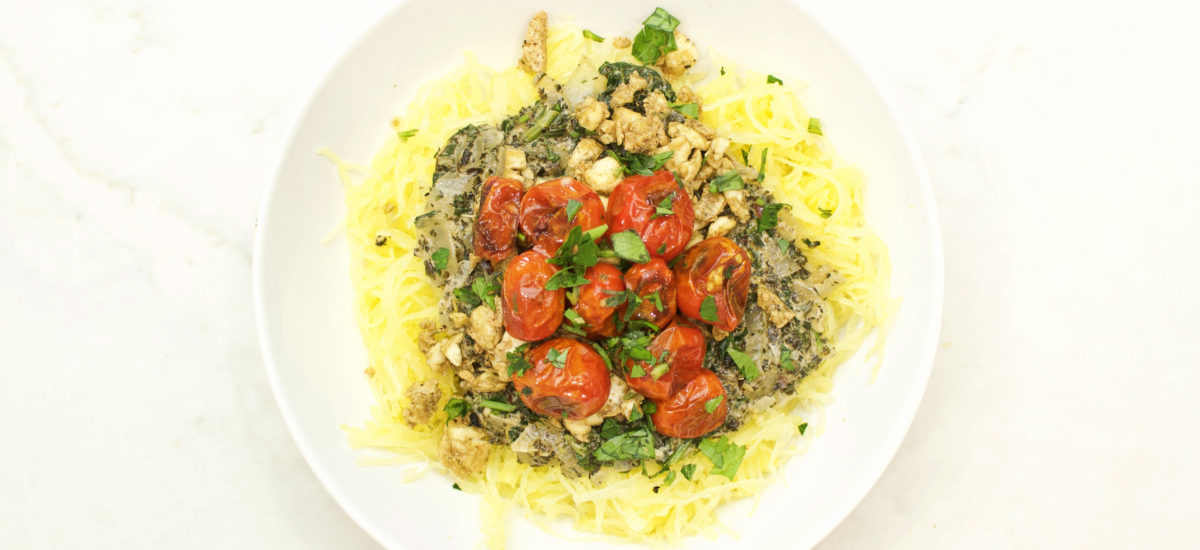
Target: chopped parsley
[664, 208]
[785, 360]
[639, 164]
[578, 252]
[565, 278]
[455, 408]
[637, 371]
[762, 165]
[629, 246]
[573, 207]
[690, 110]
[440, 258]
[632, 445]
[814, 126]
[712, 404]
[688, 470]
[497, 405]
[557, 358]
[483, 290]
[592, 36]
[726, 182]
[456, 487]
[726, 457]
[649, 408]
[410, 133]
[656, 38]
[803, 427]
[517, 363]
[772, 79]
[770, 216]
[573, 316]
[826, 213]
[744, 363]
[708, 309]
[811, 243]
[784, 244]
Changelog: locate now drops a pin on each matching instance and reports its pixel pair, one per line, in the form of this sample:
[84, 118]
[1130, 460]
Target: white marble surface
[136, 137]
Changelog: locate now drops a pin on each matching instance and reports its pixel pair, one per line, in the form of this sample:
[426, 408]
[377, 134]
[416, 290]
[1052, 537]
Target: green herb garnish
[726, 182]
[656, 38]
[639, 164]
[784, 244]
[772, 79]
[517, 363]
[664, 208]
[826, 213]
[688, 470]
[814, 126]
[712, 404]
[785, 360]
[632, 445]
[708, 309]
[573, 207]
[762, 165]
[744, 363]
[726, 457]
[440, 258]
[455, 408]
[406, 134]
[803, 427]
[592, 36]
[497, 405]
[629, 246]
[770, 216]
[557, 357]
[690, 110]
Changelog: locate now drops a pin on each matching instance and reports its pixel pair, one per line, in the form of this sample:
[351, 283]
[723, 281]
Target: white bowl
[311, 346]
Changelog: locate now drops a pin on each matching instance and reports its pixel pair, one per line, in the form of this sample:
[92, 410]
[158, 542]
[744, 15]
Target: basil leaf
[814, 126]
[690, 110]
[467, 296]
[744, 363]
[455, 408]
[440, 258]
[629, 246]
[642, 165]
[485, 288]
[557, 358]
[573, 207]
[661, 20]
[726, 457]
[632, 445]
[708, 309]
[610, 429]
[770, 216]
[726, 182]
[785, 360]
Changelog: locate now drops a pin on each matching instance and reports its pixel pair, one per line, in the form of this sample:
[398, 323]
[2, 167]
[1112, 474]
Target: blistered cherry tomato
[544, 212]
[600, 320]
[496, 222]
[530, 311]
[657, 208]
[684, 347]
[683, 414]
[567, 376]
[650, 280]
[717, 268]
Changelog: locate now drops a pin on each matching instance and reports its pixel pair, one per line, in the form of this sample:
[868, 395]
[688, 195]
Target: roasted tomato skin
[685, 348]
[715, 267]
[544, 212]
[580, 387]
[496, 222]
[633, 204]
[647, 279]
[531, 312]
[600, 319]
[682, 414]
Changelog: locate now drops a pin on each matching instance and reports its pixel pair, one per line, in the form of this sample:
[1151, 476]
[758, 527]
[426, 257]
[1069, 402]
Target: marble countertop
[137, 136]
